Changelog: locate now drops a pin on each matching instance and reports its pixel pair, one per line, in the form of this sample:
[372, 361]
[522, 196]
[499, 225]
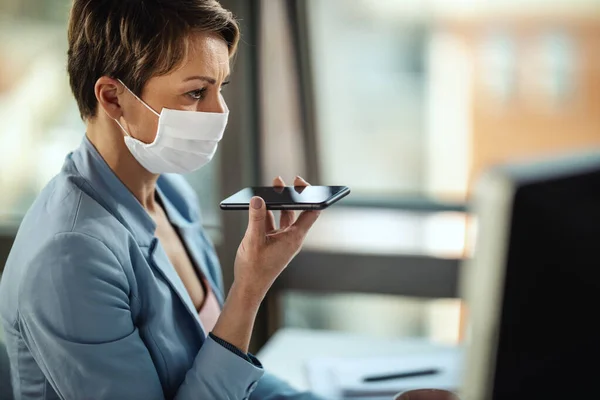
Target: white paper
[320, 378]
[342, 378]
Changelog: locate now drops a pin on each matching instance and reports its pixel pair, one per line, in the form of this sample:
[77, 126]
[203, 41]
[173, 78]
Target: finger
[278, 182]
[257, 216]
[306, 220]
[286, 219]
[299, 181]
[270, 222]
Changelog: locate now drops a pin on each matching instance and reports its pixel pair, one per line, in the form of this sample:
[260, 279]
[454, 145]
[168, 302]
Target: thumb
[256, 221]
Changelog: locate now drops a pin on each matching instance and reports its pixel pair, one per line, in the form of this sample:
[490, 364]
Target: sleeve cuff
[248, 357]
[217, 370]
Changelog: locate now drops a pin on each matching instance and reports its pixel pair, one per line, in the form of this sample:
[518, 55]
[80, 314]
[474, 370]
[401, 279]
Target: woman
[112, 289]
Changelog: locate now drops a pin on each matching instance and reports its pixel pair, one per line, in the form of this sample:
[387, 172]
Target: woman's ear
[109, 94]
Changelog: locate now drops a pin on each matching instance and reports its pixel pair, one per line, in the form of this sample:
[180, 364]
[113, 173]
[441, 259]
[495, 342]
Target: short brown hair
[134, 40]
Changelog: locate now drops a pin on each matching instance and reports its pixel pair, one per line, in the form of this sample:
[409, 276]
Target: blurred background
[405, 101]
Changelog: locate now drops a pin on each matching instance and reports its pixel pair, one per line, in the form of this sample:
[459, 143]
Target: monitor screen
[533, 285]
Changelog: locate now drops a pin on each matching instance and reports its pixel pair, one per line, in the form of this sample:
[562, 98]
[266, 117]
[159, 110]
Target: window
[412, 100]
[371, 94]
[370, 81]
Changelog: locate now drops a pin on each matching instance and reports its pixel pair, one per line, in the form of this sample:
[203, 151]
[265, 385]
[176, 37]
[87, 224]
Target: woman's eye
[197, 94]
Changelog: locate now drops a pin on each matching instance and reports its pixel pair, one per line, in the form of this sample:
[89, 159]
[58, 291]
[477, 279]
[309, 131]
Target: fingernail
[256, 203]
[299, 177]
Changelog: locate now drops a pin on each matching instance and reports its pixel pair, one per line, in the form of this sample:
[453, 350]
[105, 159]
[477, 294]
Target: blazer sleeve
[79, 327]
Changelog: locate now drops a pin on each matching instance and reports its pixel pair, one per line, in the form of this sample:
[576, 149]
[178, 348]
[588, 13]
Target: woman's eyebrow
[208, 79]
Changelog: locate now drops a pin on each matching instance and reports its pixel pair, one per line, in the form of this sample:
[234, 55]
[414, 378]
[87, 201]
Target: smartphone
[288, 198]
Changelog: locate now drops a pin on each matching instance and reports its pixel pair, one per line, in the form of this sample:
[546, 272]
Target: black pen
[410, 374]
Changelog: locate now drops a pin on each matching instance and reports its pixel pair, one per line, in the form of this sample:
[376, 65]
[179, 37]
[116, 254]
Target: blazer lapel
[190, 237]
[160, 261]
[189, 227]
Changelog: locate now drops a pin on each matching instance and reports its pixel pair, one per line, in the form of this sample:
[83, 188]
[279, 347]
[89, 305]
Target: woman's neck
[108, 140]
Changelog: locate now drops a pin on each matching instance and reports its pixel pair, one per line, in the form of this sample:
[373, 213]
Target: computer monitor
[532, 286]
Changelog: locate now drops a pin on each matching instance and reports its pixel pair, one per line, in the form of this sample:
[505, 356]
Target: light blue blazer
[92, 308]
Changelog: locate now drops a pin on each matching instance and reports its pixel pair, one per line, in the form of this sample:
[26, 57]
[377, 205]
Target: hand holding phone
[266, 249]
[264, 253]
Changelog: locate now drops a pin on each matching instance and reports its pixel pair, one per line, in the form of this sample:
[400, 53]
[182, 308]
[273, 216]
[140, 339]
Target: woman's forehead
[206, 54]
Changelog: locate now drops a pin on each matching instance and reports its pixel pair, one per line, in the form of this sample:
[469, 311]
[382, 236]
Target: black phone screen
[287, 196]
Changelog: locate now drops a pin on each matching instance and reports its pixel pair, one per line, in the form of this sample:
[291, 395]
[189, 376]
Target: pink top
[210, 309]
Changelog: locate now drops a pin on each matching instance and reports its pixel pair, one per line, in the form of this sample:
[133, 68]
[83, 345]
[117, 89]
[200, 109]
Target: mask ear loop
[120, 126]
[123, 129]
[140, 100]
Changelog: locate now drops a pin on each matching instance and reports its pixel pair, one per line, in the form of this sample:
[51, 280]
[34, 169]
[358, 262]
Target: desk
[285, 353]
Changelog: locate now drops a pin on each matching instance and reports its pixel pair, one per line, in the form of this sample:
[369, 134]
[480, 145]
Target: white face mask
[185, 140]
